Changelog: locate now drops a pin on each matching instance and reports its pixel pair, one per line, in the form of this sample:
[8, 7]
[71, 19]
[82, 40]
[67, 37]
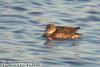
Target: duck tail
[77, 28]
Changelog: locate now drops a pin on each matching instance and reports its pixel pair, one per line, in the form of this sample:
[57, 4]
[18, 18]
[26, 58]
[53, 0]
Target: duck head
[50, 28]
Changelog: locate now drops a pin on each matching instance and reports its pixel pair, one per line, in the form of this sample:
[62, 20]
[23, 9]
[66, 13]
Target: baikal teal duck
[53, 32]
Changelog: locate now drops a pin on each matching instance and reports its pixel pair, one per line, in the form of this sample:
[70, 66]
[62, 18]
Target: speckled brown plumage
[53, 32]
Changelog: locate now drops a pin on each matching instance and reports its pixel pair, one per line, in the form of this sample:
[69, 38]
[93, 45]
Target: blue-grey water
[22, 22]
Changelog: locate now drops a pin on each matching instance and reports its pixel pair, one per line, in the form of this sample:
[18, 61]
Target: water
[22, 22]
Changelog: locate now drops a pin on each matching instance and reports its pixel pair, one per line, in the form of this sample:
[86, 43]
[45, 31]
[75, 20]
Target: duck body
[53, 32]
[63, 36]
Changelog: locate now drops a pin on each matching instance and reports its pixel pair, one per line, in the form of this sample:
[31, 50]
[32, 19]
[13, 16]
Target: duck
[54, 32]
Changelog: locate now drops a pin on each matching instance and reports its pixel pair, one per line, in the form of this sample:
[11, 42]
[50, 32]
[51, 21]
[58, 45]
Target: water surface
[22, 22]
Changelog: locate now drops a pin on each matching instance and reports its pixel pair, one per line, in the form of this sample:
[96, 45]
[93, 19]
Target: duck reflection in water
[49, 43]
[74, 47]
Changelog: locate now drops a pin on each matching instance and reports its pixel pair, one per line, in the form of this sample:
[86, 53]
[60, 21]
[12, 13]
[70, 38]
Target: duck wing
[67, 30]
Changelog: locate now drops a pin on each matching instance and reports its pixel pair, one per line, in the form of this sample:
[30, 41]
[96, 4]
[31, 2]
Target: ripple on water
[91, 59]
[35, 13]
[4, 27]
[67, 58]
[3, 51]
[19, 8]
[6, 59]
[83, 25]
[14, 16]
[79, 63]
[70, 0]
[84, 0]
[93, 12]
[89, 18]
[29, 42]
[48, 2]
[12, 22]
[36, 4]
[18, 31]
[39, 50]
[69, 20]
[51, 62]
[34, 22]
[92, 39]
